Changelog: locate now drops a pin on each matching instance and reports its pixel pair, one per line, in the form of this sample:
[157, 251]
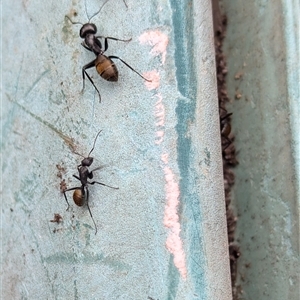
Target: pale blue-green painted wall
[43, 109]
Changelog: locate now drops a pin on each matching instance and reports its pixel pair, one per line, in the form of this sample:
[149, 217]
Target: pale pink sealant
[155, 80]
[171, 219]
[159, 41]
[159, 112]
[159, 137]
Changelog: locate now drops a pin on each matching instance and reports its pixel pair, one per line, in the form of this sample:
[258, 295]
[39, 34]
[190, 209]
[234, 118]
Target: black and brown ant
[225, 128]
[104, 64]
[81, 193]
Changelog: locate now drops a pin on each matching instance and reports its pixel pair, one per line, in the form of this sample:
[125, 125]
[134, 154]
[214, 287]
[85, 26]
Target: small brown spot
[238, 75]
[57, 219]
[61, 171]
[238, 95]
[63, 186]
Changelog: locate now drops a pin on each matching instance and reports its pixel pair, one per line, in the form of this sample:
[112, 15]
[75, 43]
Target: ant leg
[90, 175]
[228, 143]
[93, 182]
[76, 177]
[125, 63]
[99, 168]
[74, 23]
[87, 203]
[224, 109]
[86, 47]
[110, 38]
[226, 116]
[225, 130]
[88, 66]
[66, 200]
[71, 189]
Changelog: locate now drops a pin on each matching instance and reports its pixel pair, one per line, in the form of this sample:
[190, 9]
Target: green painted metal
[163, 233]
[262, 48]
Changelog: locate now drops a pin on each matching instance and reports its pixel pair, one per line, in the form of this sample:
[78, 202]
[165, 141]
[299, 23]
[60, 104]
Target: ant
[81, 193]
[104, 64]
[225, 128]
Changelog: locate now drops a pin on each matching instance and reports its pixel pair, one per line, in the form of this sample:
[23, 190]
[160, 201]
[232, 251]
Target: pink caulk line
[159, 137]
[155, 80]
[159, 112]
[159, 42]
[171, 219]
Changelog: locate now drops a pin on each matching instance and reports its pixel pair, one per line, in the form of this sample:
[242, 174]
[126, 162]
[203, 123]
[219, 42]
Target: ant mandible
[81, 193]
[104, 64]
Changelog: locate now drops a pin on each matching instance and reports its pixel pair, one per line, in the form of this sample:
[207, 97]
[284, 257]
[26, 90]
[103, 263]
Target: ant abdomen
[78, 197]
[226, 130]
[106, 68]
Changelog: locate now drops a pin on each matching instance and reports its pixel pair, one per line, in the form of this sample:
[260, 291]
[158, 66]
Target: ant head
[88, 28]
[87, 161]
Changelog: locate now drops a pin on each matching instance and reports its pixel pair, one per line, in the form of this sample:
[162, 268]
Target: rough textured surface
[227, 138]
[49, 253]
[263, 85]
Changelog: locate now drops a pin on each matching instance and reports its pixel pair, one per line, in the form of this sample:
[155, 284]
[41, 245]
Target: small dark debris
[61, 171]
[57, 219]
[238, 95]
[234, 252]
[238, 75]
[62, 186]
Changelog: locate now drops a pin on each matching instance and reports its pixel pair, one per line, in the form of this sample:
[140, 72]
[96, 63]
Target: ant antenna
[95, 138]
[100, 9]
[75, 23]
[96, 12]
[87, 203]
[78, 154]
[125, 4]
[91, 149]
